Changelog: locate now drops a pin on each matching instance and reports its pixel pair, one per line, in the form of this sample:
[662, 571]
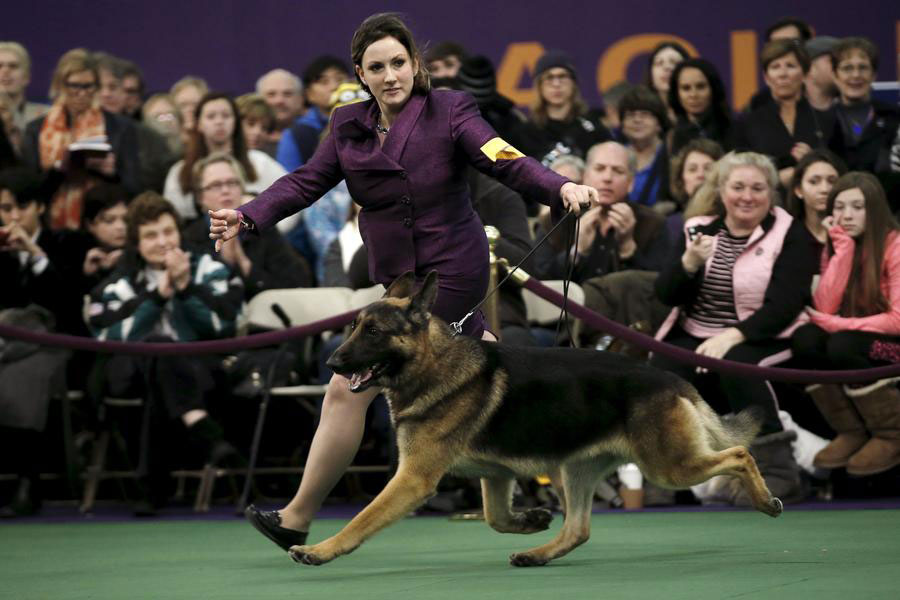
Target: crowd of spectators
[728, 217]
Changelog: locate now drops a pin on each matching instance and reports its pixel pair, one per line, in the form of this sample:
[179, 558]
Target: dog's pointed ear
[425, 297]
[402, 287]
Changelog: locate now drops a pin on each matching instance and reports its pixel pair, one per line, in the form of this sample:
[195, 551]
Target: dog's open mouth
[363, 379]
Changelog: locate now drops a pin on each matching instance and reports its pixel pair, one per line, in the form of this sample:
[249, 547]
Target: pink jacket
[835, 276]
[751, 274]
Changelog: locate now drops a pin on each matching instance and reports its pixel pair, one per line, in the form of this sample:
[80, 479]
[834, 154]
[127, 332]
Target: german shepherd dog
[483, 409]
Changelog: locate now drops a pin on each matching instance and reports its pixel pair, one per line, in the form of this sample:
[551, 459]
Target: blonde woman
[738, 290]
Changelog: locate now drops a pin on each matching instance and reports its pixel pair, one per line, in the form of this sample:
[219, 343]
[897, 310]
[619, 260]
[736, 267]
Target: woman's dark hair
[25, 185]
[863, 296]
[382, 25]
[196, 148]
[794, 204]
[719, 101]
[801, 25]
[102, 197]
[648, 76]
[775, 49]
[147, 207]
[641, 97]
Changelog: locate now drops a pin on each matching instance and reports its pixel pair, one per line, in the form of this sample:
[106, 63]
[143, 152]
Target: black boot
[210, 437]
[26, 446]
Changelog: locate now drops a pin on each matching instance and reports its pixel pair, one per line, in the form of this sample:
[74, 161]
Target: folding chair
[546, 314]
[300, 306]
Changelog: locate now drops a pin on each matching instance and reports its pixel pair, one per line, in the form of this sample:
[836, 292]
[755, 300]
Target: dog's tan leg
[496, 494]
[555, 475]
[579, 481]
[406, 491]
[735, 461]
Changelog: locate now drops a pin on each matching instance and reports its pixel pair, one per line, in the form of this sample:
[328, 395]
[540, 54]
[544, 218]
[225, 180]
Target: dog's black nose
[334, 362]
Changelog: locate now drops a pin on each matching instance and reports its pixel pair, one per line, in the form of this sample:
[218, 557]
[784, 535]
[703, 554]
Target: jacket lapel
[395, 141]
[363, 153]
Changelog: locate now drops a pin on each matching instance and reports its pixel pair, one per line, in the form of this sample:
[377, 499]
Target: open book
[91, 144]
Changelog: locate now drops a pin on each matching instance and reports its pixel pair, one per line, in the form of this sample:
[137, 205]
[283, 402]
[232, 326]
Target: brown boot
[880, 407]
[841, 415]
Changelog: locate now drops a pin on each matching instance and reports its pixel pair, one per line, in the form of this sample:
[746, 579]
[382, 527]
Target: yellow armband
[499, 149]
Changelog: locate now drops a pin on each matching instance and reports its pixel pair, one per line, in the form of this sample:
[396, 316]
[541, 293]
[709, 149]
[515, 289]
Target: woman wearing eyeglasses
[76, 117]
[217, 129]
[262, 262]
[866, 127]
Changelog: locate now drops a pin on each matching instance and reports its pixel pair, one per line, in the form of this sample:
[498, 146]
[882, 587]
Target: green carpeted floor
[846, 555]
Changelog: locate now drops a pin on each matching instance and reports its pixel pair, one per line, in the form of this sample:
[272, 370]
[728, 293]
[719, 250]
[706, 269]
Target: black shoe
[144, 508]
[25, 502]
[268, 523]
[225, 455]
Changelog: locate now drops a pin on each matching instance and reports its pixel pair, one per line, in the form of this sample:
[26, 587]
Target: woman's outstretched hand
[224, 224]
[576, 197]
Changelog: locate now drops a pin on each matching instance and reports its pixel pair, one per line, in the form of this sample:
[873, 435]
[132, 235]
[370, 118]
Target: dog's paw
[536, 519]
[306, 555]
[526, 559]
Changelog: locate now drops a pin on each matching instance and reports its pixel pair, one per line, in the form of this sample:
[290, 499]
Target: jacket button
[404, 200]
[407, 222]
[402, 174]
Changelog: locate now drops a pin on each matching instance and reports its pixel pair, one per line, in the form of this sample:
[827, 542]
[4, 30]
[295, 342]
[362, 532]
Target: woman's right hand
[697, 253]
[224, 224]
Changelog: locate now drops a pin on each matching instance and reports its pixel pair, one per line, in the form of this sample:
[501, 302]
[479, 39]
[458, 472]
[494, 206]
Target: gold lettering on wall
[744, 60]
[519, 58]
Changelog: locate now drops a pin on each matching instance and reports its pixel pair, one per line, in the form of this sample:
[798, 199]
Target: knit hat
[820, 45]
[552, 59]
[476, 76]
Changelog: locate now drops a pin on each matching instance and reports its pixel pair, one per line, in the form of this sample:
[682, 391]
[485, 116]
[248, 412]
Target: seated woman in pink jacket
[857, 307]
[738, 291]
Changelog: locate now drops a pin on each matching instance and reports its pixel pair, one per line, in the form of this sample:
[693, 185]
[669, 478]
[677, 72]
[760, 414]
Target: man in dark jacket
[617, 235]
[34, 290]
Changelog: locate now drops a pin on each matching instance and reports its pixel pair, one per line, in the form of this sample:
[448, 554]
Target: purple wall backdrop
[231, 42]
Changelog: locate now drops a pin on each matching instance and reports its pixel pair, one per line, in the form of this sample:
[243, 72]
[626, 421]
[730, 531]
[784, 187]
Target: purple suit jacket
[416, 212]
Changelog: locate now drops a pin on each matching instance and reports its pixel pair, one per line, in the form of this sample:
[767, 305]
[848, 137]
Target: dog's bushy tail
[732, 430]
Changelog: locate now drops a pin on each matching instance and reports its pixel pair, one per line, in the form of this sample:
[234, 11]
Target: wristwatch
[245, 223]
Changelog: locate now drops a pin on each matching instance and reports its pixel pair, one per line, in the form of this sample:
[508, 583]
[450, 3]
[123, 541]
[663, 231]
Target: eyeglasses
[80, 87]
[218, 186]
[862, 69]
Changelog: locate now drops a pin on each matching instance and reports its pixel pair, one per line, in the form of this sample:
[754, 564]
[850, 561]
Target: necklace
[381, 128]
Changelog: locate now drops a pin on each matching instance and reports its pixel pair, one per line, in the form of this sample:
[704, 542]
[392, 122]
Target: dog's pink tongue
[358, 379]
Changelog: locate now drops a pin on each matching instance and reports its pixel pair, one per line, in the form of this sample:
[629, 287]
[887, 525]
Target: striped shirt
[714, 306]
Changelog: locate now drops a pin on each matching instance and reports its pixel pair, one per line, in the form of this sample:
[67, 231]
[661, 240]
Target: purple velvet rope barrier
[730, 367]
[230, 345]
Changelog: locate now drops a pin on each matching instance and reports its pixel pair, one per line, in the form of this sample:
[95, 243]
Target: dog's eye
[352, 324]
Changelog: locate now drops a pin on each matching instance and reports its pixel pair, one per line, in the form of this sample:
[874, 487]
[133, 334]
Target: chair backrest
[540, 311]
[302, 306]
[366, 296]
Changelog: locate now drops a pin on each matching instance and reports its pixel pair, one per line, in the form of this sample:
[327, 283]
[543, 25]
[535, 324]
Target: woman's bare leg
[333, 448]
